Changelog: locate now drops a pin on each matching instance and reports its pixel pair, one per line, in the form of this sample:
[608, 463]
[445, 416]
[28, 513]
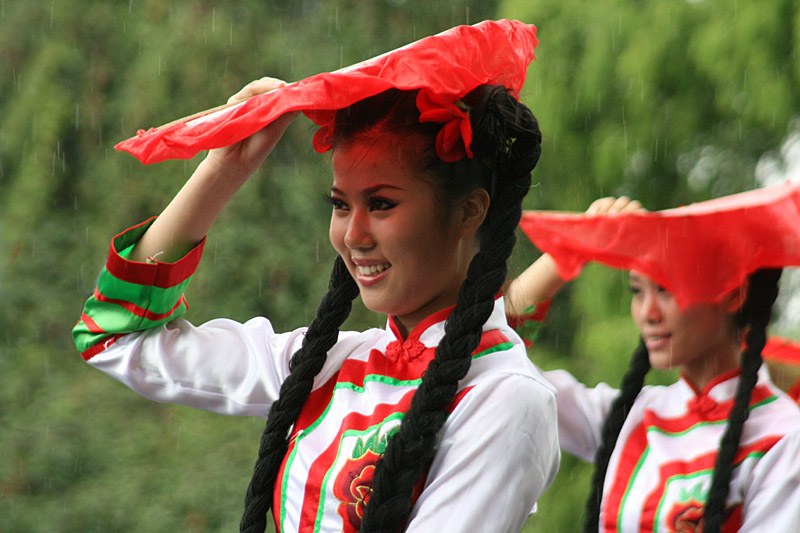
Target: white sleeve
[772, 498]
[581, 413]
[498, 453]
[222, 366]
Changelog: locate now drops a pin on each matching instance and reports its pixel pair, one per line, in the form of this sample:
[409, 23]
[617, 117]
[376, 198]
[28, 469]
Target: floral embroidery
[353, 487]
[409, 350]
[353, 484]
[686, 517]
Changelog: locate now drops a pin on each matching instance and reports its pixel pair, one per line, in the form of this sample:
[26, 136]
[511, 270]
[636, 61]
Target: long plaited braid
[632, 384]
[306, 363]
[756, 313]
[507, 137]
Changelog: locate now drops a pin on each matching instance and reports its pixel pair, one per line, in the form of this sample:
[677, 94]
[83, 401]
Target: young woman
[416, 426]
[682, 457]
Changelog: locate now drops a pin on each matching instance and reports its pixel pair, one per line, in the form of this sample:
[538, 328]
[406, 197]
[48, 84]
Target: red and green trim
[132, 296]
[528, 325]
[653, 507]
[636, 448]
[353, 376]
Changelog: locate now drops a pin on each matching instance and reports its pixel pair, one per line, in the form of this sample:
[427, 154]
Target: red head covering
[783, 357]
[451, 63]
[699, 252]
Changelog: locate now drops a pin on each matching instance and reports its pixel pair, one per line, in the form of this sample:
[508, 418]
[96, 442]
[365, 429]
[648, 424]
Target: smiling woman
[407, 254]
[717, 450]
[416, 426]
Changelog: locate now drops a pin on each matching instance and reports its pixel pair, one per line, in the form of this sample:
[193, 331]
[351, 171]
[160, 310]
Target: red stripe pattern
[662, 467]
[343, 419]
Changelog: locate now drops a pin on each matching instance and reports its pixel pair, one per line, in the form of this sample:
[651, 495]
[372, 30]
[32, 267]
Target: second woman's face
[408, 258]
[698, 339]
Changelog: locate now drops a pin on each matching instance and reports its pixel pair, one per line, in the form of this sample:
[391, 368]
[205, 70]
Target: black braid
[756, 312]
[410, 450]
[305, 365]
[632, 384]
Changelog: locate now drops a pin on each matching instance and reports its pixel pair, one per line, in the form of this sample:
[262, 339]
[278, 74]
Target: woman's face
[407, 256]
[700, 340]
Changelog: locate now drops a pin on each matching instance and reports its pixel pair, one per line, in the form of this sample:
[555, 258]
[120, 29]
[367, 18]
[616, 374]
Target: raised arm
[189, 216]
[540, 281]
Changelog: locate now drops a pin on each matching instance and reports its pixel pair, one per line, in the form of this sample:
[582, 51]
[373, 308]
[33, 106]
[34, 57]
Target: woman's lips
[369, 273]
[657, 341]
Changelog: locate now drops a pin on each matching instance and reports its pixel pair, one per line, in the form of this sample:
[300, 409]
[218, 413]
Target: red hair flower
[454, 139]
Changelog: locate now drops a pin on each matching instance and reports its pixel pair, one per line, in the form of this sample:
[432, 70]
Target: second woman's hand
[541, 281]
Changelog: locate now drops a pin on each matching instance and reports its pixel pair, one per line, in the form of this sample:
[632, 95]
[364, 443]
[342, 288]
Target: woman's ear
[473, 210]
[734, 300]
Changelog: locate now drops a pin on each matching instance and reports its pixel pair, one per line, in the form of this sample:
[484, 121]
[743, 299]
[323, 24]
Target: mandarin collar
[431, 329]
[720, 388]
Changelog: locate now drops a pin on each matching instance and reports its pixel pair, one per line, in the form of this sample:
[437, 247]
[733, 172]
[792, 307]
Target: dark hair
[754, 315]
[631, 385]
[506, 146]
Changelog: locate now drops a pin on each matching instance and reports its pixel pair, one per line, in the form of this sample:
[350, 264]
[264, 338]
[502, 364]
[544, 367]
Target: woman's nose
[651, 309]
[359, 235]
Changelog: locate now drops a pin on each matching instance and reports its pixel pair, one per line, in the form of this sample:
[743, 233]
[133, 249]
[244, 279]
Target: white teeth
[371, 270]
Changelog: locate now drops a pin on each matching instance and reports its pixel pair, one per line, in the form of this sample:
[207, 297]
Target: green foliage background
[667, 101]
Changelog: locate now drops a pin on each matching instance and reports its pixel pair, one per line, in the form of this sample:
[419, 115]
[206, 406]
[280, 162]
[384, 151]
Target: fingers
[264, 85]
[601, 205]
[610, 204]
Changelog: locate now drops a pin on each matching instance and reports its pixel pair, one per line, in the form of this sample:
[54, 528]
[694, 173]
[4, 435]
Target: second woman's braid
[762, 292]
[306, 363]
[411, 449]
[632, 384]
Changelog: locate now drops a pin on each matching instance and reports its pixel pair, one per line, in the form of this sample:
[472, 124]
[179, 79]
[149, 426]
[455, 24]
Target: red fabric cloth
[698, 252]
[781, 350]
[451, 63]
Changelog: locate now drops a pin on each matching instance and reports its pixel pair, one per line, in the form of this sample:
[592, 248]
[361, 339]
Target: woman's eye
[634, 290]
[380, 204]
[335, 202]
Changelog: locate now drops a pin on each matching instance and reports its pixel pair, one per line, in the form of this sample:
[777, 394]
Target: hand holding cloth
[699, 252]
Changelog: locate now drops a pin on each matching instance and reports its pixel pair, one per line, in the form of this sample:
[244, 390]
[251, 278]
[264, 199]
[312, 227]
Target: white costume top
[496, 454]
[661, 468]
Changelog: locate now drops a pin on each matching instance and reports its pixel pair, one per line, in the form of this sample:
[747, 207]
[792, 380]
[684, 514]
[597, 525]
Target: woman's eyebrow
[371, 190]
